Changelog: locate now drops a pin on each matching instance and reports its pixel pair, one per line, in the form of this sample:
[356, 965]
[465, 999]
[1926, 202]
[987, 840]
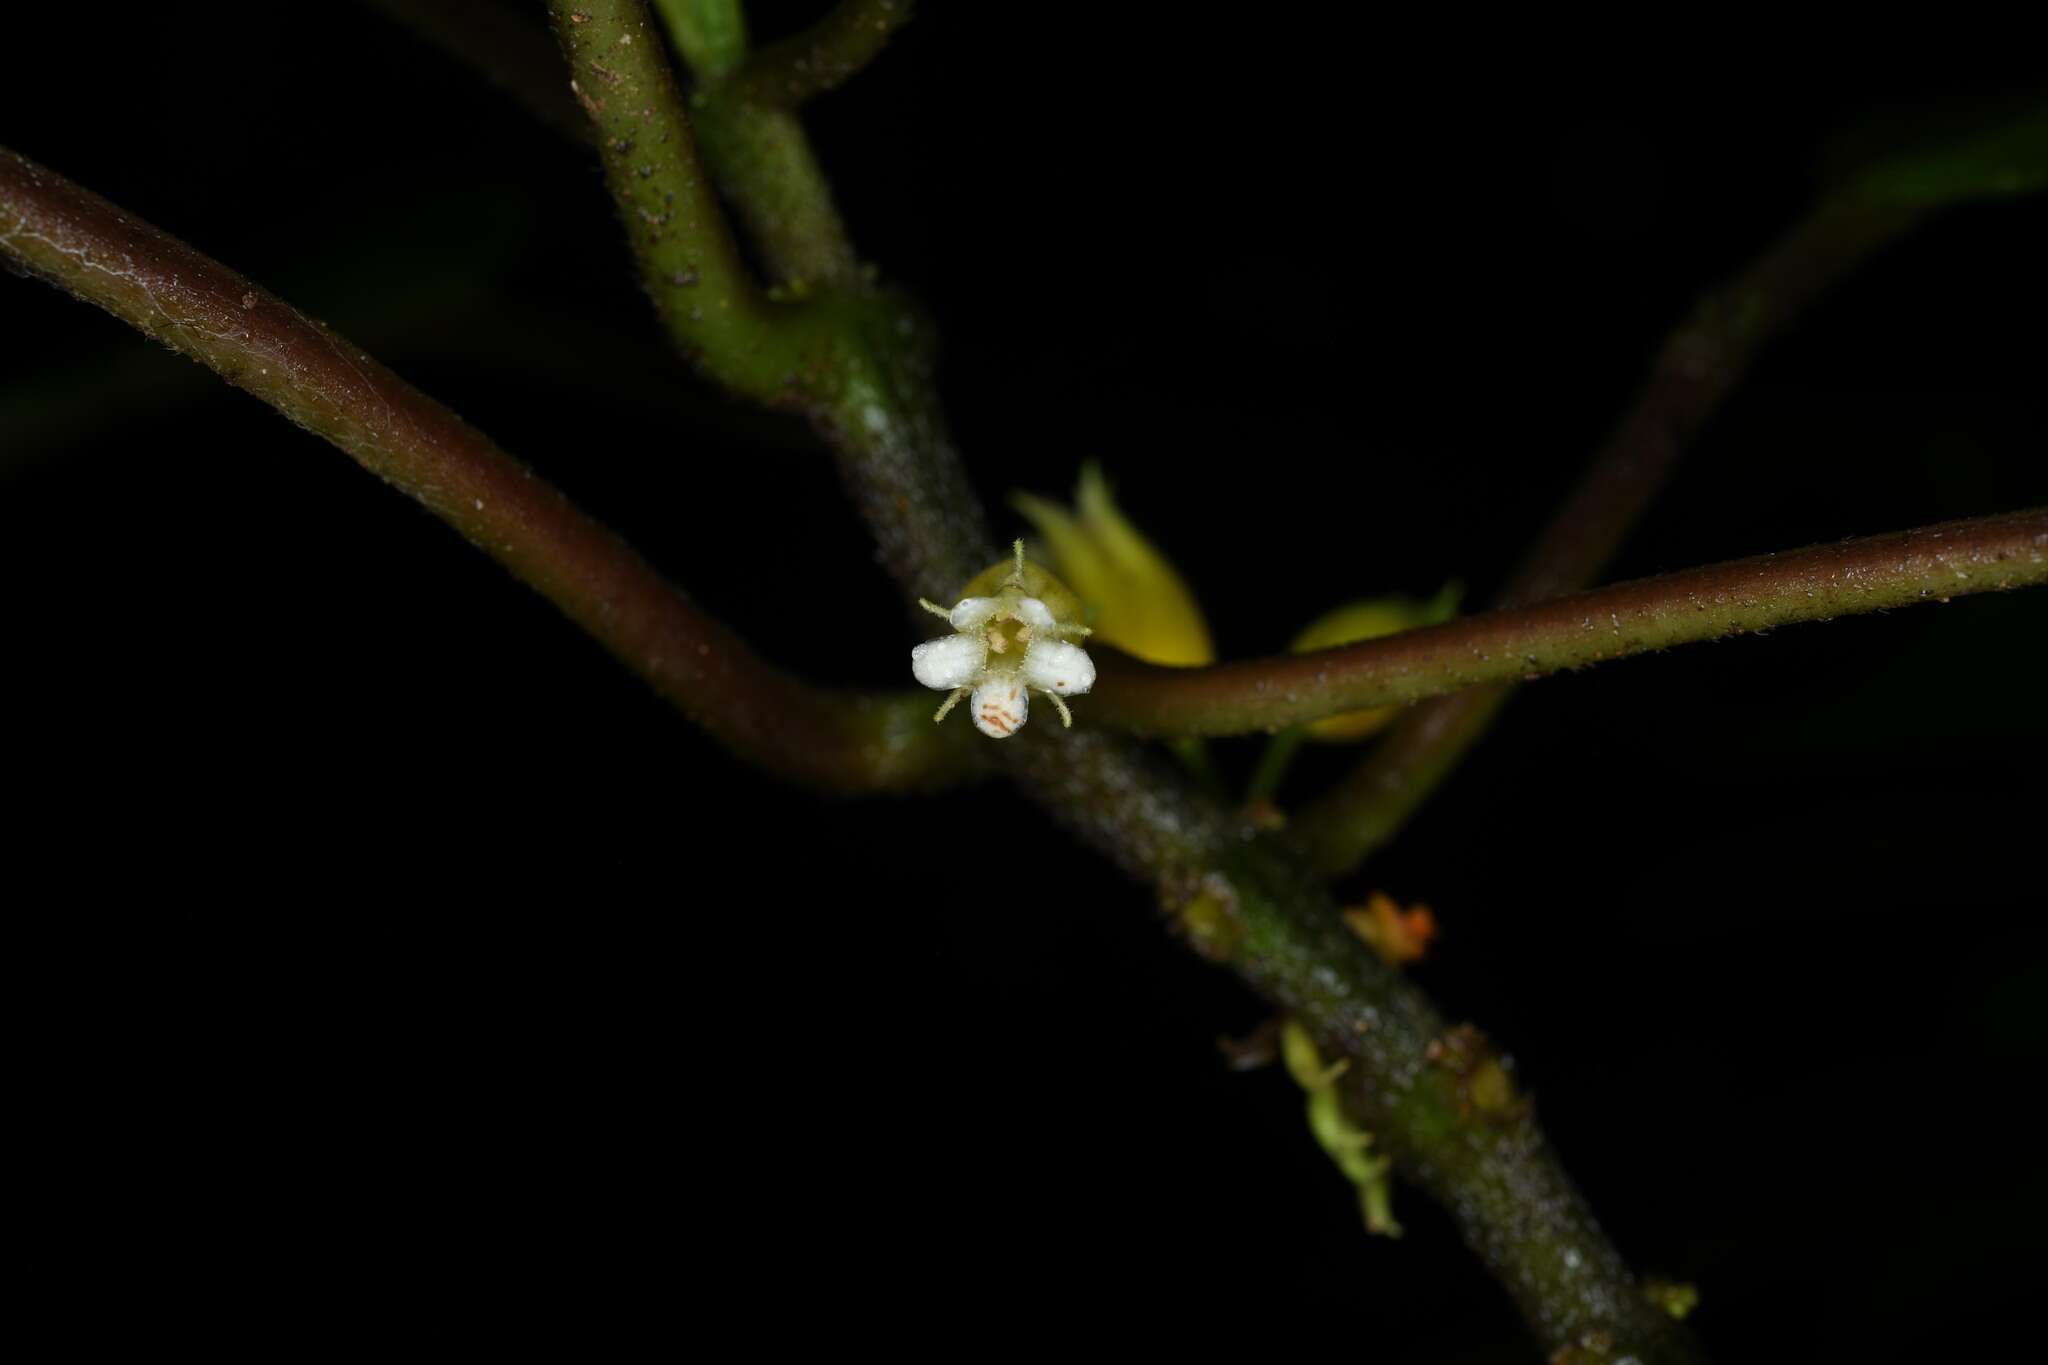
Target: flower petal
[1058, 667]
[1033, 612]
[972, 613]
[1000, 706]
[949, 661]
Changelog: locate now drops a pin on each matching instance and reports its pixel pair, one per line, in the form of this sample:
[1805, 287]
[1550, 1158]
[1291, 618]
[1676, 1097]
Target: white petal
[1056, 666]
[949, 661]
[972, 613]
[1033, 612]
[1000, 706]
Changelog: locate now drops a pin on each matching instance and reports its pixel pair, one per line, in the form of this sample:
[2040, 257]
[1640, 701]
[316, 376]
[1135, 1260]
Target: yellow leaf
[1135, 598]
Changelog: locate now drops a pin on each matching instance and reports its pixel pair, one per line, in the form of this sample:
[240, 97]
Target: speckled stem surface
[1437, 1098]
[775, 351]
[1876, 573]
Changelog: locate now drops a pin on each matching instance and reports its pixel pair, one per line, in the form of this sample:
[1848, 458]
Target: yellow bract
[1136, 599]
[1368, 620]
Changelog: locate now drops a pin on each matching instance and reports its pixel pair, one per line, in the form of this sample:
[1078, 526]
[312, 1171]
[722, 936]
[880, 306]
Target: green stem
[1876, 573]
[711, 34]
[106, 256]
[1274, 762]
[1434, 1097]
[1363, 813]
[692, 268]
[822, 57]
[743, 129]
[764, 165]
[757, 152]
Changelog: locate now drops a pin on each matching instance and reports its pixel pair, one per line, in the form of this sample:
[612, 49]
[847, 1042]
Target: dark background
[428, 962]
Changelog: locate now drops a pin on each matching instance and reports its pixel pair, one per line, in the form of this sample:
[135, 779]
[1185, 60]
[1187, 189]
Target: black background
[429, 963]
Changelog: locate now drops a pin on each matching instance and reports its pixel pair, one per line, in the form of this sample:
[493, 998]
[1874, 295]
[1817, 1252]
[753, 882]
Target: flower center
[1008, 638]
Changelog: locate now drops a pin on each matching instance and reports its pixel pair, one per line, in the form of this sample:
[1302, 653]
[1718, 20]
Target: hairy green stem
[868, 389]
[764, 165]
[700, 286]
[858, 360]
[756, 150]
[1875, 573]
[822, 57]
[835, 740]
[863, 376]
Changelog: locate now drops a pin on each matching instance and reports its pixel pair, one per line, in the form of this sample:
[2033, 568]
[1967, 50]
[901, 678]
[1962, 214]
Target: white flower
[1005, 647]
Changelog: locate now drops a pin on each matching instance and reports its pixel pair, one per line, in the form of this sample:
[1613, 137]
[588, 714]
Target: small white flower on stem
[1007, 644]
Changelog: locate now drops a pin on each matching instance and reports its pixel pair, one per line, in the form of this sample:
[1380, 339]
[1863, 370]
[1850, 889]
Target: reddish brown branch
[1698, 366]
[844, 741]
[1956, 559]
